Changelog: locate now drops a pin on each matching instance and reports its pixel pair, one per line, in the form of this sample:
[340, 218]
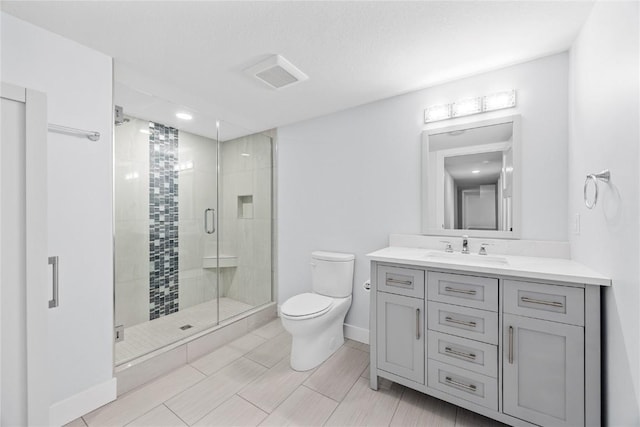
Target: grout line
[322, 394]
[256, 406]
[136, 418]
[185, 423]
[395, 410]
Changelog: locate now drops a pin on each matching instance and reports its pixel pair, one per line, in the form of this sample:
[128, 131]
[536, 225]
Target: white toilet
[315, 320]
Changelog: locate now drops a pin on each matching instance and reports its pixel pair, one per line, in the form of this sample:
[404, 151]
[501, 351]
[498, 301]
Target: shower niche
[245, 207]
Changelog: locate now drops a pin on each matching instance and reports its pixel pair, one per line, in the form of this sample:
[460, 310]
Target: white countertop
[556, 269]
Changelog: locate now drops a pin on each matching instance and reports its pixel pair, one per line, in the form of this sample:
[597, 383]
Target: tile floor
[249, 382]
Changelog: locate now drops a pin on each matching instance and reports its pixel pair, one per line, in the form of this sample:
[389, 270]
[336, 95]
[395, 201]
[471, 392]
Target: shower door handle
[206, 221]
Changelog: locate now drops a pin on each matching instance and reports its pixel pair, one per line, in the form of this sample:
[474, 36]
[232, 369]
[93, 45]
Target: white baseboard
[356, 333]
[67, 410]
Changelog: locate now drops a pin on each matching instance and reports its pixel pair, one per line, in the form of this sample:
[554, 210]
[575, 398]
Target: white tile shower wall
[348, 180]
[604, 133]
[246, 171]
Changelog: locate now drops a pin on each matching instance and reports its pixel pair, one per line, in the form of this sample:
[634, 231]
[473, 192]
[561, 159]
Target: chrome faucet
[465, 244]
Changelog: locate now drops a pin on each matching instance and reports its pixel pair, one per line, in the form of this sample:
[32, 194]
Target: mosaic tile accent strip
[163, 220]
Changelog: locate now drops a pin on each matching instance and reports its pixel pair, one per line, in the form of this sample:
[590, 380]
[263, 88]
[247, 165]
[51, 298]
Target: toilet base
[316, 339]
[309, 351]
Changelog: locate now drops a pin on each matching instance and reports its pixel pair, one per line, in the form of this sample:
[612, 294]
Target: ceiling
[192, 54]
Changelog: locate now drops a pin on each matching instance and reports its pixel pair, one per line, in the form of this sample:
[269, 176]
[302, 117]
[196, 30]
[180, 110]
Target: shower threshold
[148, 337]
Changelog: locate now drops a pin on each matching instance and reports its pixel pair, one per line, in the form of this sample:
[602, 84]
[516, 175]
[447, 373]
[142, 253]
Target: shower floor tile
[148, 336]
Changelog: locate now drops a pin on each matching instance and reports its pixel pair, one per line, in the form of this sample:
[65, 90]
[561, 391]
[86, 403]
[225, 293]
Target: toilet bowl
[316, 319]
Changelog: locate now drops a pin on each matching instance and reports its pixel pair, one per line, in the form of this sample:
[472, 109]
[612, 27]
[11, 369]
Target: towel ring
[604, 176]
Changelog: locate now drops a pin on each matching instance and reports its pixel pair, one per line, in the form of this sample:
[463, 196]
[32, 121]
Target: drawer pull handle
[470, 324]
[511, 345]
[400, 282]
[450, 350]
[541, 302]
[417, 323]
[470, 387]
[460, 291]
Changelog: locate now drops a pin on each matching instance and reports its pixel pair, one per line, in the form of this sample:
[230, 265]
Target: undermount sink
[467, 258]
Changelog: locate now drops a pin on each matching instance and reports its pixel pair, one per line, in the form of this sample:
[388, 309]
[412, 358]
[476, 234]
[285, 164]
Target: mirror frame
[516, 201]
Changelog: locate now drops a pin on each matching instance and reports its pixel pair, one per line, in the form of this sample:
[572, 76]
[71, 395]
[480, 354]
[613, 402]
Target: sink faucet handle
[448, 247]
[483, 248]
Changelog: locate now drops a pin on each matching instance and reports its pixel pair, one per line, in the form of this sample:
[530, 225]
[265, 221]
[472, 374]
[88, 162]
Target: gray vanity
[514, 338]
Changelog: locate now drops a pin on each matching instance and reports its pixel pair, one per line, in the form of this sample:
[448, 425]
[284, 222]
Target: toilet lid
[306, 304]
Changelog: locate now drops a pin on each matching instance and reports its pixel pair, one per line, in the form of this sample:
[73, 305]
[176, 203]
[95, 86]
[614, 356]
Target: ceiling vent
[277, 72]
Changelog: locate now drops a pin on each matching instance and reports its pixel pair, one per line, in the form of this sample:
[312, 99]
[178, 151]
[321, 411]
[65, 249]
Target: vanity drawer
[401, 281]
[563, 304]
[464, 384]
[470, 291]
[479, 325]
[464, 353]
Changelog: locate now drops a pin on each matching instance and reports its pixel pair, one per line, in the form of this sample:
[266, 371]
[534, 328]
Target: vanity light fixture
[245, 154]
[437, 112]
[466, 107]
[184, 116]
[469, 106]
[475, 171]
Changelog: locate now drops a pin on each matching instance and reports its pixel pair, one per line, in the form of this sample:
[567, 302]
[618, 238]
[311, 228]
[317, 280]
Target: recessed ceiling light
[476, 171]
[145, 131]
[184, 116]
[245, 154]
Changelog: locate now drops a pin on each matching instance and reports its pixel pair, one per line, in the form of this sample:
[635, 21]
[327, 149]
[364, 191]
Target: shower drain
[185, 327]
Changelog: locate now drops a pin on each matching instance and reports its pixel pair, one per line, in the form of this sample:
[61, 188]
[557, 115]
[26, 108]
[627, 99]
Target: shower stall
[193, 232]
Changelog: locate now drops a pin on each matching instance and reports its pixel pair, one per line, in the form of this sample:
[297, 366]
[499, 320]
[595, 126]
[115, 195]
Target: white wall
[604, 133]
[349, 179]
[77, 81]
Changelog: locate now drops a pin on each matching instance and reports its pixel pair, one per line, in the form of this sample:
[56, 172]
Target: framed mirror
[471, 179]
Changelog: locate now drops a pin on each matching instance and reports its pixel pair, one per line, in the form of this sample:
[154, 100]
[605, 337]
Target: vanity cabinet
[520, 351]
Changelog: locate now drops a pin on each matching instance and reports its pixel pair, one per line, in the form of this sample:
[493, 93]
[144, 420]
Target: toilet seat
[306, 306]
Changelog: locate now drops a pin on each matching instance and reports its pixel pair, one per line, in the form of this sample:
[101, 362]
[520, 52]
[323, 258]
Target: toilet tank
[332, 273]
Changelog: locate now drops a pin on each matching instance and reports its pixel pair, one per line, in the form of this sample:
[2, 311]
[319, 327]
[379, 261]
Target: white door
[24, 399]
[543, 369]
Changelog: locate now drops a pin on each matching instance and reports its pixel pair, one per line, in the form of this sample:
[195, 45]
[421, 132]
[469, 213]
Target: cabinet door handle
[400, 282]
[460, 291]
[417, 323]
[511, 345]
[542, 302]
[53, 261]
[470, 387]
[450, 319]
[450, 350]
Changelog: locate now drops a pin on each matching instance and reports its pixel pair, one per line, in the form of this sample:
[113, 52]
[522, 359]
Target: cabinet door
[400, 336]
[543, 369]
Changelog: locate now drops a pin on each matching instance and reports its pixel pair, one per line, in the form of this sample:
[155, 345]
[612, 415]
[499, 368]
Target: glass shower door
[193, 225]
